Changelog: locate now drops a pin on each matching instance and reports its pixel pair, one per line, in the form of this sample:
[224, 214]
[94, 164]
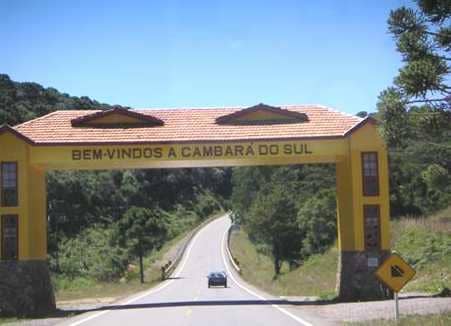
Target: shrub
[91, 254]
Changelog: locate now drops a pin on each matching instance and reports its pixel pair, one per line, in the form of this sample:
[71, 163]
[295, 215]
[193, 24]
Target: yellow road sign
[395, 272]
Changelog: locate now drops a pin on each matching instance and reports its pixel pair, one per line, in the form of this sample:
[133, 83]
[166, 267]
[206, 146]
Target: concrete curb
[229, 252]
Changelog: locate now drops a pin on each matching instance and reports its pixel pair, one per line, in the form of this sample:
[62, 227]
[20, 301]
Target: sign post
[396, 306]
[395, 272]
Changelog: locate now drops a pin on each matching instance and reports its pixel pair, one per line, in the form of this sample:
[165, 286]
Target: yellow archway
[260, 135]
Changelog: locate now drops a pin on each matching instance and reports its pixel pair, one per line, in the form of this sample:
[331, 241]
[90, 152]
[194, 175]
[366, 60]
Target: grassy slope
[315, 278]
[424, 242]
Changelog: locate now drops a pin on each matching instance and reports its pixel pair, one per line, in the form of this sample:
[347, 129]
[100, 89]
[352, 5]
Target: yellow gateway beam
[187, 155]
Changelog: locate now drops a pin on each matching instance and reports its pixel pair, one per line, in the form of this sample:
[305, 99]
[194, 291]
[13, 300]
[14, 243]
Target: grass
[426, 244]
[423, 242]
[415, 320]
[316, 277]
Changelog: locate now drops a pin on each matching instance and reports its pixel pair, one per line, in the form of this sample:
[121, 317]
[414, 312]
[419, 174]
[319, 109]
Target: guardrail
[235, 263]
[170, 266]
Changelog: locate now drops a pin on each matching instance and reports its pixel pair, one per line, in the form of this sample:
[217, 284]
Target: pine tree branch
[445, 89]
[428, 100]
[431, 33]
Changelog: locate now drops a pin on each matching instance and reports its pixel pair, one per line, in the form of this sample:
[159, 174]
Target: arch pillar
[357, 261]
[25, 286]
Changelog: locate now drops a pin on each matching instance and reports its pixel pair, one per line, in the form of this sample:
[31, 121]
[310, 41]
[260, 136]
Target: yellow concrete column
[355, 279]
[345, 205]
[26, 279]
[14, 149]
[37, 219]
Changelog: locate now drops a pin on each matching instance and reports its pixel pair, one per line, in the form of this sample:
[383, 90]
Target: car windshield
[216, 275]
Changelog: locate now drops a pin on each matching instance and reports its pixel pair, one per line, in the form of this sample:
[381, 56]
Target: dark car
[217, 279]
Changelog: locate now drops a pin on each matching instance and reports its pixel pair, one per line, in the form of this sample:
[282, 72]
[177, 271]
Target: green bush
[91, 254]
[180, 219]
[206, 204]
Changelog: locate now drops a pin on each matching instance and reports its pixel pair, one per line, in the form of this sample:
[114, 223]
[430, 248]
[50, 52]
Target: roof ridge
[186, 108]
[332, 109]
[38, 118]
[303, 105]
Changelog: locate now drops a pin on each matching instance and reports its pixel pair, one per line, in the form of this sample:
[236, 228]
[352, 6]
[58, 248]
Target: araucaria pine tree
[423, 37]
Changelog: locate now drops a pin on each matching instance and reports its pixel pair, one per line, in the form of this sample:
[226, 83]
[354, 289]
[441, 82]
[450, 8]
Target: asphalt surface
[185, 299]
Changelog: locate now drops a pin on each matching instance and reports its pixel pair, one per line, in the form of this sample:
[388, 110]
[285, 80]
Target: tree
[416, 110]
[272, 222]
[436, 176]
[141, 230]
[246, 183]
[317, 219]
[362, 114]
[423, 37]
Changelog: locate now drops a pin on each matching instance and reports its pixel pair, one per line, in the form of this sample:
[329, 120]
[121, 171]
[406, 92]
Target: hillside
[424, 242]
[22, 101]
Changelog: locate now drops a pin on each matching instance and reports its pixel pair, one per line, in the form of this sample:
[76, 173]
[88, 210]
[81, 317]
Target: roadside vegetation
[316, 277]
[442, 319]
[425, 242]
[8, 320]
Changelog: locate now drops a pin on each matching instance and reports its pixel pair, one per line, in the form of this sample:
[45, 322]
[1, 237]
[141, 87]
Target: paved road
[187, 300]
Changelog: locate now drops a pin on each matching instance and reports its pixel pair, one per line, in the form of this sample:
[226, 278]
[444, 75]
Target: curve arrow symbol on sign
[396, 271]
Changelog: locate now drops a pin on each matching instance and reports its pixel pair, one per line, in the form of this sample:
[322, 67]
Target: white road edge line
[151, 291]
[282, 310]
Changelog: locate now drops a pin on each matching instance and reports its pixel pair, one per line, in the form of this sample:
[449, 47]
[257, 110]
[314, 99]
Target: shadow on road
[72, 312]
[281, 302]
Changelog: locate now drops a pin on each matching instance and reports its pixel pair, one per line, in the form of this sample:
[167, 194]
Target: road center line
[282, 310]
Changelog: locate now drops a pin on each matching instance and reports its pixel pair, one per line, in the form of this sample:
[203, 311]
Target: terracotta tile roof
[188, 125]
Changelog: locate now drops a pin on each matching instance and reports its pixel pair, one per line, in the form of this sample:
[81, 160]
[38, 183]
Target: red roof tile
[188, 125]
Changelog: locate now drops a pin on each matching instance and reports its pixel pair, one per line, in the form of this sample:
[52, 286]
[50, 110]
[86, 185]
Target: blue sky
[203, 53]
